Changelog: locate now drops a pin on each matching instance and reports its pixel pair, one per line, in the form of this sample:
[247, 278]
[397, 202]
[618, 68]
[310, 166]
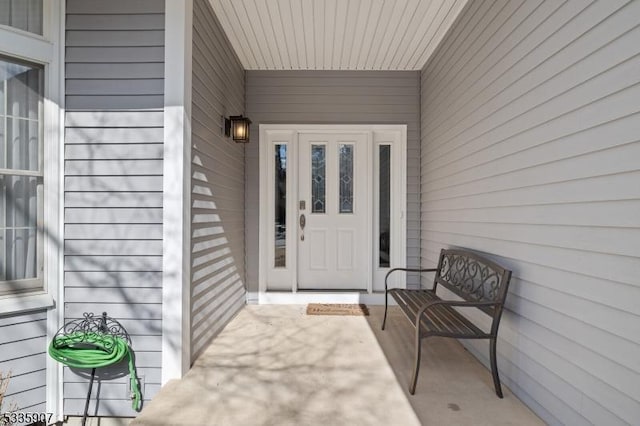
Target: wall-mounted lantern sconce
[237, 127]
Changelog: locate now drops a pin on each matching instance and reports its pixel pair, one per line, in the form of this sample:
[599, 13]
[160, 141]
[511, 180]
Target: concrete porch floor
[274, 365]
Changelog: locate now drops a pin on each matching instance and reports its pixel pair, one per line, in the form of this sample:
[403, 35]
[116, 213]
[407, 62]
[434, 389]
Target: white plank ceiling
[335, 34]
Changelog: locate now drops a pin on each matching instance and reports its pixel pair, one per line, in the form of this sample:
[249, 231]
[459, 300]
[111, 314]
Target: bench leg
[416, 367]
[494, 368]
[386, 305]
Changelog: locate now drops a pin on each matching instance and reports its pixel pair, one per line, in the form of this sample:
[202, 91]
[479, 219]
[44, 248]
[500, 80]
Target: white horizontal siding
[23, 345]
[530, 152]
[335, 97]
[217, 180]
[113, 184]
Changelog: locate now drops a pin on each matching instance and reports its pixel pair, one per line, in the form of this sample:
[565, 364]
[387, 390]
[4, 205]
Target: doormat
[337, 309]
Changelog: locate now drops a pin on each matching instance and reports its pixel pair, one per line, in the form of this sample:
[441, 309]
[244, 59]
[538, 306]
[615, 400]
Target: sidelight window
[280, 206]
[384, 225]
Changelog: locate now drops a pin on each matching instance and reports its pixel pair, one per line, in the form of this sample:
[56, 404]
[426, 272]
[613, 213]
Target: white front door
[334, 210]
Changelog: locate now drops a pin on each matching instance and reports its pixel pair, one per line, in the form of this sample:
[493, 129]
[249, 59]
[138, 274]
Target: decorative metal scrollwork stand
[84, 332]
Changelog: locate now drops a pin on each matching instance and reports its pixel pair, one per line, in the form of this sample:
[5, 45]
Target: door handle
[303, 223]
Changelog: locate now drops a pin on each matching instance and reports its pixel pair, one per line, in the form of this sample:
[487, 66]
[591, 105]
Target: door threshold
[342, 290]
[314, 296]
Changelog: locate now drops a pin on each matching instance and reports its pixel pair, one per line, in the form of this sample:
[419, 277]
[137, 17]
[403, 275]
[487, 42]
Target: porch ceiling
[335, 34]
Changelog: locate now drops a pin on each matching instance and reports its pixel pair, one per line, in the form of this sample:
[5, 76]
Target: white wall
[531, 152]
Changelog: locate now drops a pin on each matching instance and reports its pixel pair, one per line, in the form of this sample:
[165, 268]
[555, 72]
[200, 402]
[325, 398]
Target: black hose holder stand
[91, 325]
[101, 325]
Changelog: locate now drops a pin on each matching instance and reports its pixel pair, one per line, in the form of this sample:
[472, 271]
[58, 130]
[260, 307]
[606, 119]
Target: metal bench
[479, 282]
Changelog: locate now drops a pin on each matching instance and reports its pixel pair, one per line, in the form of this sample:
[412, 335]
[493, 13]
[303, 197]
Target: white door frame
[394, 135]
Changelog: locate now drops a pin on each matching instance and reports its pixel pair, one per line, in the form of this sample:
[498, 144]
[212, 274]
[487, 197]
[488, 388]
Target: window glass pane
[22, 144]
[318, 178]
[281, 206]
[3, 271]
[22, 14]
[18, 226]
[24, 85]
[384, 228]
[20, 200]
[20, 134]
[3, 162]
[21, 254]
[346, 178]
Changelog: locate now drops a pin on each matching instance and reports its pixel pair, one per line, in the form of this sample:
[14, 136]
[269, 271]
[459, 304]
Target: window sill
[16, 304]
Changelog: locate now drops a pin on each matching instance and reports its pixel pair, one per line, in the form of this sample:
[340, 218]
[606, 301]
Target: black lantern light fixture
[237, 127]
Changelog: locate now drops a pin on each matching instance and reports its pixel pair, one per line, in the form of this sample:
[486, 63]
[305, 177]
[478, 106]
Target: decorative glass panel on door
[346, 178]
[318, 178]
[280, 206]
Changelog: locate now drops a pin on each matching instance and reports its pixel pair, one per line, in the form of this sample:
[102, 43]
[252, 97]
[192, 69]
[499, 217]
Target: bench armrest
[461, 303]
[407, 270]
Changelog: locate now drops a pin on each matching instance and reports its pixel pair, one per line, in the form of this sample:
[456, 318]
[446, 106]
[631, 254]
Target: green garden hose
[95, 350]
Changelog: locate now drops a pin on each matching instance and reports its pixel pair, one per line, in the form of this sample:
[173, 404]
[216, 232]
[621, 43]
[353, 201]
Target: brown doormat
[337, 309]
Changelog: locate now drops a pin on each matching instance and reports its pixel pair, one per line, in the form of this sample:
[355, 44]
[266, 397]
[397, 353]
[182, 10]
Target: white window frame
[45, 50]
[29, 285]
[48, 50]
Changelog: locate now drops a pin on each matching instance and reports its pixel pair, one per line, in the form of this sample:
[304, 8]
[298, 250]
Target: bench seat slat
[440, 320]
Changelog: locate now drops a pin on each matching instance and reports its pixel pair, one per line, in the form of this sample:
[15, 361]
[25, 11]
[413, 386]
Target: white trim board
[54, 255]
[176, 275]
[394, 135]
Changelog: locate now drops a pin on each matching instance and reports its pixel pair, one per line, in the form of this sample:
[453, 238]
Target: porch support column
[176, 267]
